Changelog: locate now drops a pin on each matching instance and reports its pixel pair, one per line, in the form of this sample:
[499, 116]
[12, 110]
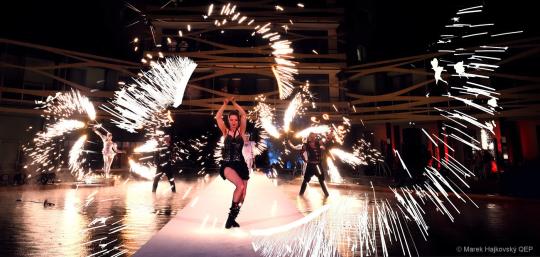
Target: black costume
[232, 156]
[164, 163]
[314, 166]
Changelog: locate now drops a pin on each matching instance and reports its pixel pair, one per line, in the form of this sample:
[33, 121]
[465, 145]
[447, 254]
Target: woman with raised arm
[233, 165]
[109, 151]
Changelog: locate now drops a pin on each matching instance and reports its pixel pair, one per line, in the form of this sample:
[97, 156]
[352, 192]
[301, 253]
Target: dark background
[388, 28]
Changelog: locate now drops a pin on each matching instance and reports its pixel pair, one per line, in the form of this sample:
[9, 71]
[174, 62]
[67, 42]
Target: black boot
[231, 220]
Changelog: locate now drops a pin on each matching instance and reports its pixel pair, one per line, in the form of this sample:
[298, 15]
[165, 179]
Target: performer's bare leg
[231, 175]
[107, 162]
[244, 192]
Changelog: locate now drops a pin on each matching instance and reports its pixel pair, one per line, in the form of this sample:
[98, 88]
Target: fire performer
[312, 152]
[109, 151]
[233, 166]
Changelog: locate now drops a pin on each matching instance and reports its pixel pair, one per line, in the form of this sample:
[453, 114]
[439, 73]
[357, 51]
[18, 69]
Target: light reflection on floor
[30, 229]
[499, 221]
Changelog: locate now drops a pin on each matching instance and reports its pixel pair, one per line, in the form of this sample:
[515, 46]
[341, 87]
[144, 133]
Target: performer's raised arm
[219, 117]
[295, 147]
[103, 137]
[243, 116]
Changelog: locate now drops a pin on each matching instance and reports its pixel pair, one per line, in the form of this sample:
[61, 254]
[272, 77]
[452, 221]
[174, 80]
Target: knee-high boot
[233, 213]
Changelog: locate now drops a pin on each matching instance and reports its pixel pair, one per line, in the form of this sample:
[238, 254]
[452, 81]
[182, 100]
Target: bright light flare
[145, 171]
[315, 129]
[148, 147]
[291, 111]
[75, 162]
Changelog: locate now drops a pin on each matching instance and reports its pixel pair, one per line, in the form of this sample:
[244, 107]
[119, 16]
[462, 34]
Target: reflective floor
[118, 220]
[497, 222]
[132, 214]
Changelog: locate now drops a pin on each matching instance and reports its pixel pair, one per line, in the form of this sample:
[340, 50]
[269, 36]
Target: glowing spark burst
[218, 153]
[89, 108]
[266, 118]
[471, 62]
[284, 69]
[143, 103]
[333, 171]
[261, 146]
[291, 111]
[75, 160]
[66, 105]
[314, 129]
[363, 150]
[145, 171]
[60, 128]
[347, 157]
[437, 186]
[322, 232]
[62, 113]
[149, 146]
[284, 77]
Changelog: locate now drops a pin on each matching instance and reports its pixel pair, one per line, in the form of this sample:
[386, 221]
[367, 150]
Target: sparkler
[75, 155]
[145, 171]
[349, 158]
[363, 150]
[292, 110]
[143, 19]
[321, 129]
[332, 170]
[266, 118]
[143, 103]
[284, 69]
[62, 113]
[149, 146]
[412, 201]
[384, 220]
[321, 233]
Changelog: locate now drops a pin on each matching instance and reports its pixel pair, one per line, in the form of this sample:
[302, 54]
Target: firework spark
[284, 69]
[143, 103]
[292, 110]
[332, 171]
[321, 129]
[347, 157]
[321, 233]
[149, 146]
[145, 171]
[75, 154]
[62, 113]
[60, 128]
[266, 119]
[366, 153]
